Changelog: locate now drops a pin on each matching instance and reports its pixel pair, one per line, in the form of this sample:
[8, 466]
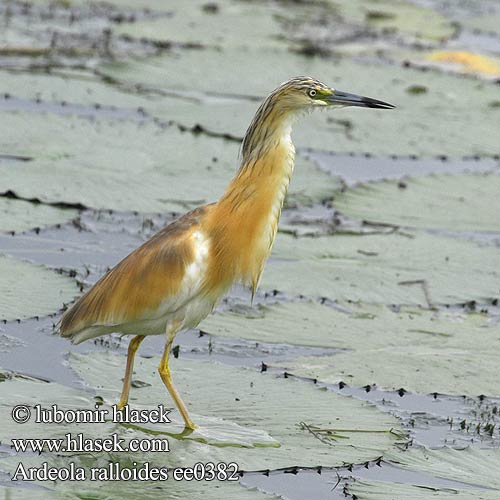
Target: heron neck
[268, 156]
[244, 221]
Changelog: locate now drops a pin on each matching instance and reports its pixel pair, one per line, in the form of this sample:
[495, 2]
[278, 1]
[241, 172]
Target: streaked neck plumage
[244, 221]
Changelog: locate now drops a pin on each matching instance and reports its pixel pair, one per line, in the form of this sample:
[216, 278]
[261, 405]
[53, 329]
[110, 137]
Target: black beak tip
[375, 103]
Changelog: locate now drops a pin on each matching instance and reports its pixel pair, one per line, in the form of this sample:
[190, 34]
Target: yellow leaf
[473, 63]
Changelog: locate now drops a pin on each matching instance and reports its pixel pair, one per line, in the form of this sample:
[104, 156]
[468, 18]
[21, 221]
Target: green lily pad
[151, 6]
[15, 492]
[349, 327]
[338, 130]
[216, 115]
[147, 490]
[472, 465]
[234, 24]
[129, 166]
[487, 24]
[385, 269]
[309, 185]
[407, 130]
[379, 490]
[398, 16]
[12, 36]
[28, 290]
[250, 400]
[111, 489]
[297, 323]
[235, 397]
[219, 115]
[420, 350]
[17, 390]
[453, 202]
[69, 86]
[45, 31]
[473, 470]
[221, 25]
[20, 215]
[423, 366]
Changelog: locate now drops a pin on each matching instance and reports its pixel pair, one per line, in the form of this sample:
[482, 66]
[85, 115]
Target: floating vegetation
[20, 215]
[384, 268]
[118, 116]
[463, 202]
[128, 166]
[28, 290]
[421, 350]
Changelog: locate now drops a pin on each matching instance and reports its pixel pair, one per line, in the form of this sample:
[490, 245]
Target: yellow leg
[164, 371]
[132, 348]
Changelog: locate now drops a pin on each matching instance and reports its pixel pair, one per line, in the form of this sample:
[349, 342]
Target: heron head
[304, 93]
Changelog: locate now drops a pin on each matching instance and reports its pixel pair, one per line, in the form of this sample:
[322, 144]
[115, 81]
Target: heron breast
[191, 304]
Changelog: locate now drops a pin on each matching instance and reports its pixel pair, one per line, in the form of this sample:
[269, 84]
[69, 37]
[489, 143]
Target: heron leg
[164, 371]
[132, 348]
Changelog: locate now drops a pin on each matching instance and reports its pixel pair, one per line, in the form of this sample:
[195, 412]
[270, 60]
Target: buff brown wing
[136, 287]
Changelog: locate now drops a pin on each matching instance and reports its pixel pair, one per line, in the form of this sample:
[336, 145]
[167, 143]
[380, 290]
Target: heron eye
[311, 93]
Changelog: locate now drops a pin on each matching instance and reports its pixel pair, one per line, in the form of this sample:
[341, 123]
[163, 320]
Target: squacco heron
[176, 278]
